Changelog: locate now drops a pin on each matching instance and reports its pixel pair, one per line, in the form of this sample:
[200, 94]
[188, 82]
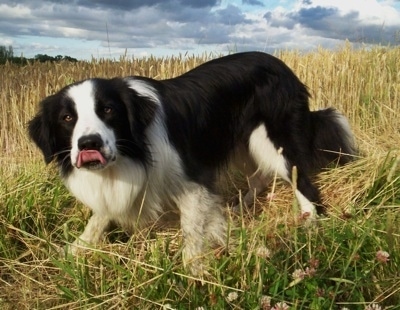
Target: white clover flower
[310, 272]
[373, 306]
[298, 274]
[280, 306]
[382, 256]
[265, 302]
[232, 296]
[263, 252]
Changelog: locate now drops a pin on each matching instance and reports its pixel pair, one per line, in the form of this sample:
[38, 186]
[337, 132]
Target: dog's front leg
[202, 220]
[93, 233]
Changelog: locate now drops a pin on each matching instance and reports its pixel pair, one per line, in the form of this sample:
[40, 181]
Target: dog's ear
[142, 104]
[40, 132]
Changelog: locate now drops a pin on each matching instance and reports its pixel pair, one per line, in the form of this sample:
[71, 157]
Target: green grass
[271, 257]
[335, 261]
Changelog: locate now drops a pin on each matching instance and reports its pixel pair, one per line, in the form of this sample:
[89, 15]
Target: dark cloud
[307, 15]
[189, 24]
[134, 4]
[318, 18]
[314, 17]
[199, 4]
[331, 23]
[231, 15]
[281, 20]
[119, 5]
[253, 2]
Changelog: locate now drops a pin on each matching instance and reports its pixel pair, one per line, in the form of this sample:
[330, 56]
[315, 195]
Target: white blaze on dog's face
[93, 144]
[90, 124]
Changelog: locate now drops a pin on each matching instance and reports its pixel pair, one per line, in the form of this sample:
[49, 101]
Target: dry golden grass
[23, 87]
[363, 84]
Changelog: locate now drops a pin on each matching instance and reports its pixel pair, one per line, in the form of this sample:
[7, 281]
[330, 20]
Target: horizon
[85, 29]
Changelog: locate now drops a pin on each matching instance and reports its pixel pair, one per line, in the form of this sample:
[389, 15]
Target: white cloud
[177, 26]
[18, 11]
[369, 11]
[368, 21]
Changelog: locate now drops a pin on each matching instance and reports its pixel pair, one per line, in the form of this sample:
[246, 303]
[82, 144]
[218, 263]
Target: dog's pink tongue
[87, 156]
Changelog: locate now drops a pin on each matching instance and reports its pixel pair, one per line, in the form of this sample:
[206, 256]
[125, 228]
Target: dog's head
[90, 123]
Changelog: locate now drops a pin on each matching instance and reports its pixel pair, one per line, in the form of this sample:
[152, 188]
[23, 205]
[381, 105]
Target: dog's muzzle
[91, 152]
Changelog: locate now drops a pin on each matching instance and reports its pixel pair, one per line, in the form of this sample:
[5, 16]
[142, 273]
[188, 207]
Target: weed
[349, 260]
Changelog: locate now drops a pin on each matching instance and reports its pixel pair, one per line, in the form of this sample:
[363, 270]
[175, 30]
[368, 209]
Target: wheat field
[350, 260]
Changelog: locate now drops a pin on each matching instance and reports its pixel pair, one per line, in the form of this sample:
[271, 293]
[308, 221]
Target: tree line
[7, 55]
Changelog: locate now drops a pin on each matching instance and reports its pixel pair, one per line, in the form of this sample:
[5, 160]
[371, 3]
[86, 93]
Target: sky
[139, 28]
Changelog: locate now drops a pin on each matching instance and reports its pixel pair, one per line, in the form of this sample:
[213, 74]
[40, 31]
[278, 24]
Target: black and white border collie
[129, 147]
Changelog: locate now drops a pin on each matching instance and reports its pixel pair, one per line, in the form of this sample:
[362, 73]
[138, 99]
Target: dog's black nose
[90, 142]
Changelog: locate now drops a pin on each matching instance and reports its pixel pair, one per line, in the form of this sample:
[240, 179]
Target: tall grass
[272, 260]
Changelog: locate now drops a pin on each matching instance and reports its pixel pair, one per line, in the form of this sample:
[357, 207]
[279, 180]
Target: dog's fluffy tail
[333, 140]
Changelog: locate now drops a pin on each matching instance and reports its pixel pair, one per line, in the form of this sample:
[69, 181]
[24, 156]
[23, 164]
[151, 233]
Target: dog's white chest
[111, 191]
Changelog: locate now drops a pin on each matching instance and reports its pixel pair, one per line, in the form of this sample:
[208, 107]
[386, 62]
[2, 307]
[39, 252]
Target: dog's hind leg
[257, 182]
[271, 160]
[308, 196]
[202, 219]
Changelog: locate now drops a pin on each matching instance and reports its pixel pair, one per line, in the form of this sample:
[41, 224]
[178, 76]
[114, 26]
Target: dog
[128, 147]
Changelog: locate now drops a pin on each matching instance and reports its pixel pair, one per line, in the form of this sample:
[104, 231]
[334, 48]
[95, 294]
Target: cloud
[192, 25]
[253, 2]
[367, 21]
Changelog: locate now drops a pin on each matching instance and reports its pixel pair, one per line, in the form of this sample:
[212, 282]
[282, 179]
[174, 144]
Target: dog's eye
[67, 118]
[107, 110]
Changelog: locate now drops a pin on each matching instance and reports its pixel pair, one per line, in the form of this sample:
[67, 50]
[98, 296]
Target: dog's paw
[308, 219]
[77, 248]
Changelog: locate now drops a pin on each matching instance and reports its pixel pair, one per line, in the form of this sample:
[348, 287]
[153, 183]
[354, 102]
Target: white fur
[117, 192]
[345, 125]
[271, 162]
[110, 192]
[201, 219]
[122, 192]
[176, 136]
[307, 207]
[143, 89]
[269, 159]
[88, 122]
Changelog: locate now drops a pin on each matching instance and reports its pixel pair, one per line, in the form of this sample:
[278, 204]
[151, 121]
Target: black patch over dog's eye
[107, 110]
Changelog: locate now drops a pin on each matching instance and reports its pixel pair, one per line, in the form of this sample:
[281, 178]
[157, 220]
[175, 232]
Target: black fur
[207, 112]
